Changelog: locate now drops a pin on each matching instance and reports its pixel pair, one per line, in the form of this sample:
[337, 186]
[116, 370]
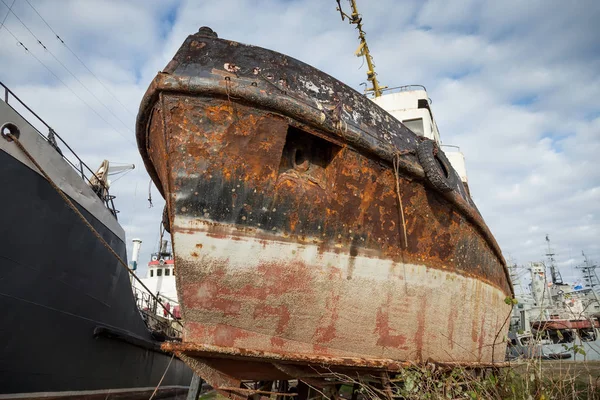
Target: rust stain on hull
[285, 222]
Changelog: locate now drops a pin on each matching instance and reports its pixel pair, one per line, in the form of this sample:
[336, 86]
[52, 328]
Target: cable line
[7, 14]
[80, 60]
[61, 81]
[68, 70]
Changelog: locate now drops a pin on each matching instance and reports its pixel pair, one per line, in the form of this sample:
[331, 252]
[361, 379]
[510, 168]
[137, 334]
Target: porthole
[300, 159]
[10, 128]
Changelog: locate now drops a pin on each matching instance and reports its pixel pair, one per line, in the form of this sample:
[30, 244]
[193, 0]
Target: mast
[515, 277]
[590, 277]
[363, 48]
[554, 272]
[589, 273]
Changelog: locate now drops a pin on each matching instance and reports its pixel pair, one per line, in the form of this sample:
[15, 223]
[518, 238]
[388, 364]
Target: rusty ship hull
[290, 241]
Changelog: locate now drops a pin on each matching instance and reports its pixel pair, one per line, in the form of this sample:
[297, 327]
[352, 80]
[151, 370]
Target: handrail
[405, 87]
[148, 306]
[107, 199]
[451, 145]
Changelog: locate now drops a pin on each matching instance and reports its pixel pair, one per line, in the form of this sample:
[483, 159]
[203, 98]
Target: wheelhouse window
[415, 125]
[159, 272]
[167, 271]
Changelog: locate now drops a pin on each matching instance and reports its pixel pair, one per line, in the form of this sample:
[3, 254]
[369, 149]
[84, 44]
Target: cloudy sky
[514, 83]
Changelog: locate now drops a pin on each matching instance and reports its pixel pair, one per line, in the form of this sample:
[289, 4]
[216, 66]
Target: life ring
[437, 168]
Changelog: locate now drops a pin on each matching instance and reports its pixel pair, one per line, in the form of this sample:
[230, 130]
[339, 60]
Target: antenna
[554, 272]
[589, 276]
[363, 48]
[589, 273]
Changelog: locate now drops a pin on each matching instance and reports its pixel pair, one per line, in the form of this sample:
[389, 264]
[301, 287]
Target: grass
[530, 379]
[526, 380]
[211, 395]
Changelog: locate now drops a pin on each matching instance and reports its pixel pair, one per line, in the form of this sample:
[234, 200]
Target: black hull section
[69, 320]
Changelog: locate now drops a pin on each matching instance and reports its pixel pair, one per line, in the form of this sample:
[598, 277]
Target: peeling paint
[285, 219]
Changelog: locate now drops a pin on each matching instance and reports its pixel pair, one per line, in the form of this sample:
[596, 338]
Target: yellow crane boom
[363, 48]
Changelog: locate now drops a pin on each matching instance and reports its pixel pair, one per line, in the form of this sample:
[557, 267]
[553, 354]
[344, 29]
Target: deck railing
[404, 88]
[148, 307]
[59, 144]
[450, 147]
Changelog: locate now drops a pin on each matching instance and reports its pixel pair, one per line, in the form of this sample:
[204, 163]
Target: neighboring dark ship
[70, 325]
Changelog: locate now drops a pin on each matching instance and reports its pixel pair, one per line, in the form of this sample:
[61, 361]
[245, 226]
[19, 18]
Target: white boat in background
[160, 280]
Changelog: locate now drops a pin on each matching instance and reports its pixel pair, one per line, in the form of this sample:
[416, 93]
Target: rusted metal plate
[205, 66]
[271, 256]
[286, 226]
[229, 164]
[312, 365]
[228, 368]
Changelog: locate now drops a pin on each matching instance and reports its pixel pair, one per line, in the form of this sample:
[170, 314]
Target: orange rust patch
[219, 335]
[452, 316]
[420, 332]
[244, 126]
[382, 327]
[322, 350]
[281, 312]
[197, 45]
[386, 339]
[208, 295]
[481, 336]
[220, 114]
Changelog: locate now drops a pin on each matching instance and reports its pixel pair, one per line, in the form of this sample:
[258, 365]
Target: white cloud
[514, 83]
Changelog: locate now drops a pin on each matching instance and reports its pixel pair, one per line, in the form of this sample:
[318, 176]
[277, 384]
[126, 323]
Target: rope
[163, 377]
[396, 162]
[228, 89]
[86, 222]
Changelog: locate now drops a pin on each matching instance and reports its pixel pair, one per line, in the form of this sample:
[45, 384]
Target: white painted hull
[280, 296]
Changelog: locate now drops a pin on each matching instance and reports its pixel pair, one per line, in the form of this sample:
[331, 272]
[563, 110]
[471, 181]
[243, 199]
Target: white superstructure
[160, 280]
[411, 106]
